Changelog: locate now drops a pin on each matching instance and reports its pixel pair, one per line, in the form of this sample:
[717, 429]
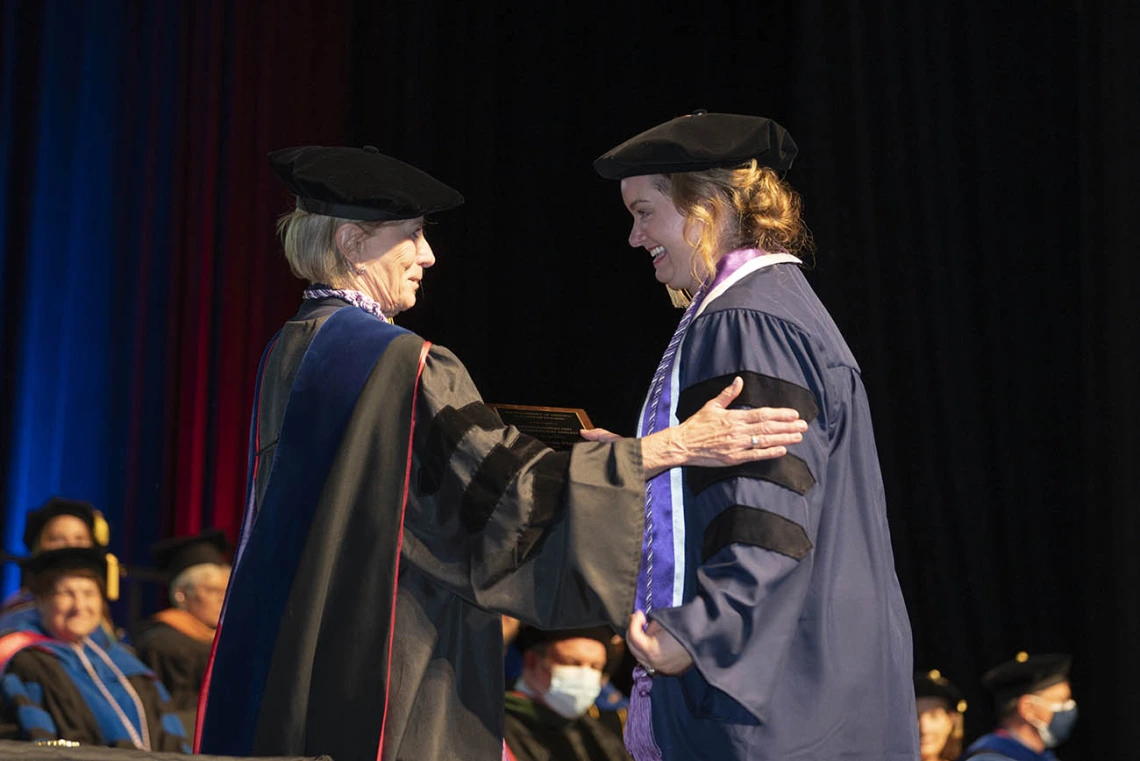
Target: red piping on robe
[400, 543]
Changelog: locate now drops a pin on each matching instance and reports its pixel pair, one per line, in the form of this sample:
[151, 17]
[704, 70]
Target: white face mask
[573, 689]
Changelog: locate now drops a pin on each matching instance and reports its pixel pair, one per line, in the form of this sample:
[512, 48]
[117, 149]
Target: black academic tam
[360, 183]
[700, 141]
[1026, 674]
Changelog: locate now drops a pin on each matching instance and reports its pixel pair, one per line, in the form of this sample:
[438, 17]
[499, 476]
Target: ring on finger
[755, 441]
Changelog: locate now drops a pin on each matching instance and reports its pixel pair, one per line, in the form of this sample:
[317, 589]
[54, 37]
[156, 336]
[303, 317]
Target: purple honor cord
[657, 573]
[658, 585]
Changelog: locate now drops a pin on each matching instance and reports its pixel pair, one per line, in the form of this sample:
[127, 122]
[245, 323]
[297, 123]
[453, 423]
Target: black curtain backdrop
[968, 171]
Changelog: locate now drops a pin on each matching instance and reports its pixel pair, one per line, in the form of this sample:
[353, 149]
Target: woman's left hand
[717, 436]
[656, 648]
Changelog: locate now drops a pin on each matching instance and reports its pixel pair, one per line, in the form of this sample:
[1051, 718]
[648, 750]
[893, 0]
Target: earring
[359, 269]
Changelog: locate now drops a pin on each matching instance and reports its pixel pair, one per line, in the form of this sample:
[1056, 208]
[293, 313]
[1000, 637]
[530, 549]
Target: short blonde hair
[750, 207]
[310, 245]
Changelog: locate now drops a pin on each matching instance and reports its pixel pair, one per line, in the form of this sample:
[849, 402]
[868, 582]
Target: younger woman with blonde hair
[769, 621]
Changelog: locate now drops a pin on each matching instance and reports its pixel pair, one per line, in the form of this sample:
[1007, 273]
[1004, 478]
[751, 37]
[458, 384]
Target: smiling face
[72, 608]
[660, 229]
[389, 261]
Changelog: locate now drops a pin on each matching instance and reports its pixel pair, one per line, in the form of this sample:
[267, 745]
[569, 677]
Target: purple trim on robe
[657, 542]
[658, 564]
[658, 561]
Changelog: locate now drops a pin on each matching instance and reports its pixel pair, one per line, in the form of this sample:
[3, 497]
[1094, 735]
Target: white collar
[750, 266]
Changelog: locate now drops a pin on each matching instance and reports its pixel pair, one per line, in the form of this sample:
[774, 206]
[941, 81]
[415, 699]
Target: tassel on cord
[112, 577]
[100, 531]
[639, 722]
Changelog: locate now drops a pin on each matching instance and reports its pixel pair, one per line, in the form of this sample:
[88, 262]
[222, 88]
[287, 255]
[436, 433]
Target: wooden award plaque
[556, 427]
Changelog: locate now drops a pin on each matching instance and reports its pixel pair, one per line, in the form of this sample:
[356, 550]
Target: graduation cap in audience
[360, 183]
[1026, 674]
[95, 559]
[530, 636]
[700, 141]
[38, 519]
[931, 684]
[176, 554]
[67, 559]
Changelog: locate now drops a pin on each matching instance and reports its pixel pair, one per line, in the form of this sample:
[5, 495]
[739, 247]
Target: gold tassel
[680, 299]
[112, 577]
[100, 531]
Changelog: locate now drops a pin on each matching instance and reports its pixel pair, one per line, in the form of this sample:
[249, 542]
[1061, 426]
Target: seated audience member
[176, 642]
[550, 715]
[63, 678]
[57, 523]
[941, 717]
[1034, 701]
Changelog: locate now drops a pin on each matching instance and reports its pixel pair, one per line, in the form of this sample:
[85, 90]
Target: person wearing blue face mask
[1035, 702]
[550, 714]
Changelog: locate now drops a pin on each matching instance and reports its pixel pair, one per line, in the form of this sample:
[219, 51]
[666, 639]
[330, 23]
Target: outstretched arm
[717, 436]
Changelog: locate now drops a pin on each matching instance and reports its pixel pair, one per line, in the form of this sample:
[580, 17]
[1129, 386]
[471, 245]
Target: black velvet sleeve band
[448, 428]
[550, 475]
[759, 391]
[789, 471]
[492, 478]
[756, 527]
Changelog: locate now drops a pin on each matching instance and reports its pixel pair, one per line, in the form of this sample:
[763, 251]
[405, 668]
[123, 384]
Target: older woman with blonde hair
[776, 627]
[392, 516]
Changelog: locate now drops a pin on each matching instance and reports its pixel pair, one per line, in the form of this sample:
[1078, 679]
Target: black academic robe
[349, 662]
[179, 661]
[535, 733]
